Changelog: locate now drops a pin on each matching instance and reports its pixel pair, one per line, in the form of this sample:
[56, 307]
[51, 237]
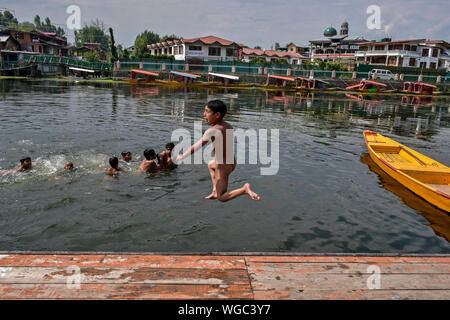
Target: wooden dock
[219, 276]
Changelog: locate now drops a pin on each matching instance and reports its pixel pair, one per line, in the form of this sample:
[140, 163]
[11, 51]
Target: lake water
[328, 196]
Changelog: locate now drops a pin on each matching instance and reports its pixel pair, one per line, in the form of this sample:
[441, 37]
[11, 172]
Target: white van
[382, 74]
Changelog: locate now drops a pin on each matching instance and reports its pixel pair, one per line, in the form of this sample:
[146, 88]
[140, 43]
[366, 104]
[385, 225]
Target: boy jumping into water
[219, 168]
[165, 157]
[149, 164]
[114, 163]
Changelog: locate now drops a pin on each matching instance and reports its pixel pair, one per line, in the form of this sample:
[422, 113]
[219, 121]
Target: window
[412, 62]
[181, 49]
[230, 52]
[433, 65]
[214, 51]
[19, 35]
[176, 51]
[425, 52]
[435, 52]
[379, 48]
[407, 47]
[195, 48]
[414, 48]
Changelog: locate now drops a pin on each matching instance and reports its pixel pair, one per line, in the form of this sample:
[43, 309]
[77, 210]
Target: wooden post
[438, 79]
[260, 70]
[288, 72]
[186, 67]
[420, 79]
[311, 73]
[210, 68]
[354, 75]
[163, 67]
[402, 76]
[141, 65]
[233, 69]
[266, 70]
[333, 74]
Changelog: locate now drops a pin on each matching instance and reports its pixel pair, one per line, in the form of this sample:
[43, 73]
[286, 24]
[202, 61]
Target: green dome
[330, 32]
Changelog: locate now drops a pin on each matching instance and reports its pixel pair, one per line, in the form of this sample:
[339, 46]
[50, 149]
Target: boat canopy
[187, 75]
[226, 76]
[281, 77]
[148, 73]
[80, 69]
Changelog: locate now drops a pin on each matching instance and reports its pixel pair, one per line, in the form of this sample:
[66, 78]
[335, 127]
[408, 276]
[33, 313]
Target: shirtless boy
[25, 164]
[114, 163]
[219, 168]
[165, 157]
[149, 164]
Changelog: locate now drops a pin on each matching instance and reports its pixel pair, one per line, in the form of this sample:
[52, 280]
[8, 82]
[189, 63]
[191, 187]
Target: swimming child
[165, 157]
[68, 166]
[25, 164]
[149, 164]
[114, 163]
[126, 156]
[219, 168]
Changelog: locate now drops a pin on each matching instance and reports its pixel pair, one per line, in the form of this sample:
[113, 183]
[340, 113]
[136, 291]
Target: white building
[208, 48]
[417, 53]
[272, 55]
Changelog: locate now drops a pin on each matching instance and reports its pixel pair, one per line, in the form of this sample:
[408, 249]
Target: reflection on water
[318, 202]
[438, 220]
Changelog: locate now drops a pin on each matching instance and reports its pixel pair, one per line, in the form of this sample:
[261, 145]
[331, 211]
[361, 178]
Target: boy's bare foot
[249, 191]
[213, 195]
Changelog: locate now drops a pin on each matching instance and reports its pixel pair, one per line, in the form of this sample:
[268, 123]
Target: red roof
[204, 40]
[281, 77]
[272, 53]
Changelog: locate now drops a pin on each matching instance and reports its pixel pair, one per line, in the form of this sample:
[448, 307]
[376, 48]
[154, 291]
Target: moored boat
[424, 176]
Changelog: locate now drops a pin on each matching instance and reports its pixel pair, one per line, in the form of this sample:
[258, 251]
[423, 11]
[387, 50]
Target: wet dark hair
[148, 153]
[25, 159]
[114, 162]
[125, 153]
[217, 106]
[170, 145]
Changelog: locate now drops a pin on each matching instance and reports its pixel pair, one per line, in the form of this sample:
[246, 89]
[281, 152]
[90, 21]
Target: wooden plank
[356, 268]
[124, 291]
[153, 261]
[348, 259]
[287, 281]
[333, 294]
[60, 275]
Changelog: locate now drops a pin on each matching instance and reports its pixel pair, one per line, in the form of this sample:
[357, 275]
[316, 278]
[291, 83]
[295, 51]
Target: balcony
[387, 53]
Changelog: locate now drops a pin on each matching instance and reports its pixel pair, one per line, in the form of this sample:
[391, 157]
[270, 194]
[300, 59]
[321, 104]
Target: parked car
[382, 74]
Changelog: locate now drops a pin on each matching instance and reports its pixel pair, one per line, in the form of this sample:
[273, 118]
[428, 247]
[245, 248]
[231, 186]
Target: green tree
[277, 46]
[114, 56]
[257, 47]
[141, 42]
[95, 33]
[92, 56]
[7, 19]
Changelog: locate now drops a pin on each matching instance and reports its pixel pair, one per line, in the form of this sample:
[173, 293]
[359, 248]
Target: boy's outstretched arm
[199, 144]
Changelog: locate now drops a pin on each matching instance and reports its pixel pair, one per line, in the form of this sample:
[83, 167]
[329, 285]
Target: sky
[251, 22]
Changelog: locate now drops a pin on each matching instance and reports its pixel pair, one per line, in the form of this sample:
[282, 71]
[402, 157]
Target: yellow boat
[425, 177]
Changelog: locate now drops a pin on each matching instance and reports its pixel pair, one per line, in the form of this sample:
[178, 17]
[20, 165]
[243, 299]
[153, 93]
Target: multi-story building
[273, 56]
[335, 47]
[193, 50]
[293, 48]
[417, 53]
[38, 41]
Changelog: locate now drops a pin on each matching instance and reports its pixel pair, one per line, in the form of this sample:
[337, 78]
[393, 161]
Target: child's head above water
[126, 155]
[68, 166]
[170, 146]
[26, 162]
[114, 162]
[149, 154]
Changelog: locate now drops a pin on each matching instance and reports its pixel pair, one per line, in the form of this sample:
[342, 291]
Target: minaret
[344, 29]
